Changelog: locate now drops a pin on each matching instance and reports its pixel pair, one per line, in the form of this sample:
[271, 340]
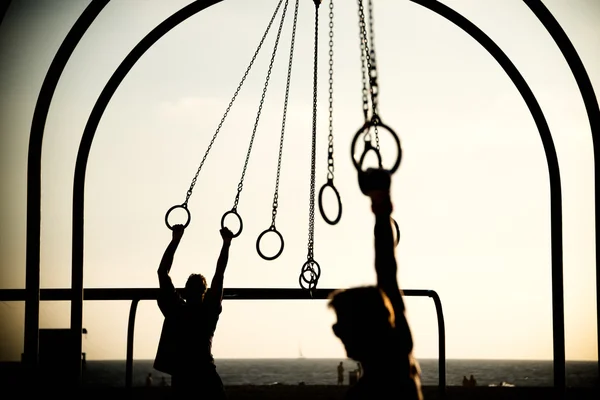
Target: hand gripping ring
[189, 216]
[260, 253]
[314, 273]
[337, 195]
[234, 212]
[369, 146]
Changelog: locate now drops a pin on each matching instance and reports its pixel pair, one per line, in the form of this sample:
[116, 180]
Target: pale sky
[471, 195]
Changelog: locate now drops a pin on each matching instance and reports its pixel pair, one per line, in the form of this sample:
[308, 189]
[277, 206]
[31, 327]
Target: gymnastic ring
[260, 253]
[397, 232]
[234, 212]
[189, 215]
[312, 284]
[315, 274]
[337, 194]
[367, 125]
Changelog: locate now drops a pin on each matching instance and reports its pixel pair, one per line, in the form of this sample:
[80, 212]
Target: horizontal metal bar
[123, 294]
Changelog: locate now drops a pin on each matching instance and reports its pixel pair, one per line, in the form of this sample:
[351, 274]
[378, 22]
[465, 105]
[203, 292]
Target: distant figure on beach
[149, 379]
[472, 381]
[185, 346]
[465, 382]
[340, 370]
[371, 320]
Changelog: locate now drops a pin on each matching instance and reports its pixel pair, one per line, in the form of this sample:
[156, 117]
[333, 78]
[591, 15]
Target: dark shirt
[397, 377]
[185, 345]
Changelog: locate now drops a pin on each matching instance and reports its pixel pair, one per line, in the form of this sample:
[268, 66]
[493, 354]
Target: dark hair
[196, 284]
[365, 304]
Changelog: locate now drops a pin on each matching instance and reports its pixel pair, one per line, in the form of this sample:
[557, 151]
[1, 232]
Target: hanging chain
[368, 67]
[285, 103]
[189, 192]
[330, 167]
[311, 214]
[260, 106]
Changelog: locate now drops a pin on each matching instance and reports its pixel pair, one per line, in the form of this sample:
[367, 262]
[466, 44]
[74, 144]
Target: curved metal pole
[84, 151]
[34, 181]
[593, 112]
[130, 336]
[441, 339]
[558, 315]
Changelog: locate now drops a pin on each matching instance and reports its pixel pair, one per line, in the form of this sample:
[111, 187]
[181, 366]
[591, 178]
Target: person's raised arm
[167, 259]
[216, 285]
[385, 254]
[386, 268]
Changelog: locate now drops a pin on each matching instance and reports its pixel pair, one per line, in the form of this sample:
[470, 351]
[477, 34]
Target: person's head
[365, 319]
[195, 287]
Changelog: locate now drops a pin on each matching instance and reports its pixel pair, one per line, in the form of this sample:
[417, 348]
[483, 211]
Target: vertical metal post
[442, 342]
[130, 337]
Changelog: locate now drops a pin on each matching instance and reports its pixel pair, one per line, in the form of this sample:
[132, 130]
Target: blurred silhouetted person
[185, 347]
[371, 321]
[472, 381]
[149, 379]
[465, 382]
[340, 370]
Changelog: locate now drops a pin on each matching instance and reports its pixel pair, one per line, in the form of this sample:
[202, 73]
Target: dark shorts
[200, 384]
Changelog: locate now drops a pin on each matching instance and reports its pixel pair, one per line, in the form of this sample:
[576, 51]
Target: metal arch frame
[79, 29]
[591, 107]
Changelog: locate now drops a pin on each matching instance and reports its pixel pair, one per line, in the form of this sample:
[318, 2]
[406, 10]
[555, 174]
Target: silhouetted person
[371, 321]
[340, 370]
[472, 381]
[149, 379]
[185, 347]
[465, 382]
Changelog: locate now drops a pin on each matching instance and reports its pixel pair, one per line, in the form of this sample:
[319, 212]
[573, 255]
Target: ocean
[324, 372]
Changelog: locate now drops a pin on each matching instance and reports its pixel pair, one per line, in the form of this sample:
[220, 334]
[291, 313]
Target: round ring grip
[337, 195]
[260, 253]
[189, 215]
[233, 212]
[315, 274]
[365, 128]
[397, 232]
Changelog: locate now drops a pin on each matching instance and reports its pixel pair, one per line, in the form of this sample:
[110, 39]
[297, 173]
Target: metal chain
[311, 213]
[260, 106]
[372, 72]
[363, 62]
[195, 178]
[330, 167]
[285, 104]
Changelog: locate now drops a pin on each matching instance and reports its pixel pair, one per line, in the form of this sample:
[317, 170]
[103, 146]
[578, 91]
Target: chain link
[330, 168]
[260, 106]
[311, 213]
[285, 104]
[369, 69]
[212, 141]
